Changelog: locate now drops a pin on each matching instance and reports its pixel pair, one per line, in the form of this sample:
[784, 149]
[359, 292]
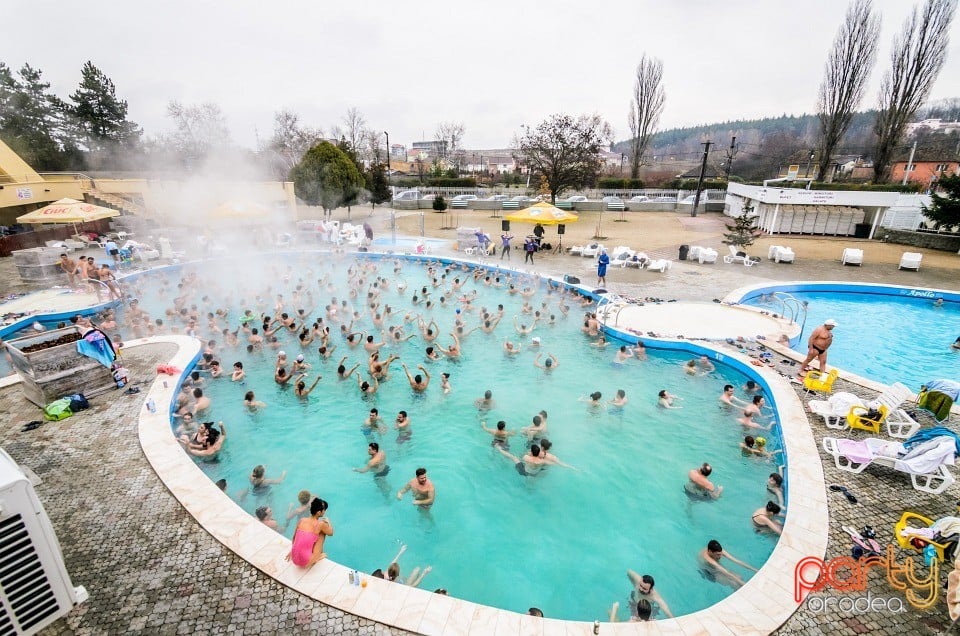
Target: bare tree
[845, 78]
[289, 142]
[449, 137]
[199, 130]
[918, 55]
[565, 150]
[645, 109]
[354, 128]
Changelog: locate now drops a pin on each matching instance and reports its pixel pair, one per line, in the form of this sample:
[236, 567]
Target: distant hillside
[765, 144]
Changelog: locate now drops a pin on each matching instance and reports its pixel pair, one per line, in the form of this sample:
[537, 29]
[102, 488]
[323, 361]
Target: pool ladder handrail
[609, 299]
[792, 308]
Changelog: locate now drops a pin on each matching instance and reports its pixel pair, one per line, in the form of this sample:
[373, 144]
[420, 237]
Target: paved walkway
[149, 569]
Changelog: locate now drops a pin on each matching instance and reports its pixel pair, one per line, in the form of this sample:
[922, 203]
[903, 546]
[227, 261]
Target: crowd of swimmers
[332, 328]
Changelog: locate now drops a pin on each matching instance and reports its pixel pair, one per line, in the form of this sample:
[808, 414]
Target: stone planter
[58, 371]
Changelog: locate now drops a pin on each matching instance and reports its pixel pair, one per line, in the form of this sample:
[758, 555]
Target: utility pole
[703, 172]
[906, 169]
[730, 154]
[388, 162]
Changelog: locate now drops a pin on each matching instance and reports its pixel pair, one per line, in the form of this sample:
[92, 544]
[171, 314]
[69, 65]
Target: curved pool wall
[759, 607]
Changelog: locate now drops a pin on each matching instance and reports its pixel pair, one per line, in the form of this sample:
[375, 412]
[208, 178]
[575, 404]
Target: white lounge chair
[619, 249]
[659, 265]
[780, 254]
[638, 260]
[911, 260]
[736, 256]
[852, 256]
[593, 250]
[926, 463]
[707, 255]
[621, 258]
[834, 410]
[577, 249]
[74, 244]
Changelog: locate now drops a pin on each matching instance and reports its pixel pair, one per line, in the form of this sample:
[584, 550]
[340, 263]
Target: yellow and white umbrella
[68, 211]
[542, 213]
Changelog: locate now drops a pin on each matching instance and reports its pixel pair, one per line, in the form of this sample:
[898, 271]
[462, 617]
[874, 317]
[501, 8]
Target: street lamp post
[622, 157]
[388, 160]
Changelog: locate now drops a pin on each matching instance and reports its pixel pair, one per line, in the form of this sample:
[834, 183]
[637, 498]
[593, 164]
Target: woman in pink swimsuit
[310, 535]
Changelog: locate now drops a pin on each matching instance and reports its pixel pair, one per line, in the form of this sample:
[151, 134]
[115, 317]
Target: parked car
[428, 197]
[521, 198]
[466, 197]
[577, 198]
[612, 199]
[497, 197]
[689, 199]
[639, 199]
[407, 195]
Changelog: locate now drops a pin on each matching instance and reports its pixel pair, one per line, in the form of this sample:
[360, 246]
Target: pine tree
[32, 120]
[945, 211]
[741, 232]
[377, 184]
[99, 116]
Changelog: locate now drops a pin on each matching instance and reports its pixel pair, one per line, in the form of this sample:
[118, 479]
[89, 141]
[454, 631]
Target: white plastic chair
[890, 455]
[911, 260]
[707, 255]
[781, 254]
[660, 265]
[851, 256]
[734, 257]
[592, 250]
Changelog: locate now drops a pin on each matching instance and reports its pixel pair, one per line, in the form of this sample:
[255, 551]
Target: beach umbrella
[544, 214]
[68, 211]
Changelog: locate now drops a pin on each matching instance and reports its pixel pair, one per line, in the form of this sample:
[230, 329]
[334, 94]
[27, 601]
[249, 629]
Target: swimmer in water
[549, 364]
[377, 463]
[301, 386]
[530, 465]
[700, 485]
[665, 400]
[424, 492]
[501, 435]
[620, 400]
[445, 383]
[763, 519]
[710, 560]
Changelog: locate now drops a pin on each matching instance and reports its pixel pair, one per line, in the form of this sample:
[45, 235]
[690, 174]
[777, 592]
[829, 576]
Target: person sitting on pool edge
[699, 485]
[310, 535]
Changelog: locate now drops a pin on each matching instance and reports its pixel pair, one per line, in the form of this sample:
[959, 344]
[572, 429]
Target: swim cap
[281, 354]
[458, 310]
[761, 441]
[300, 358]
[536, 340]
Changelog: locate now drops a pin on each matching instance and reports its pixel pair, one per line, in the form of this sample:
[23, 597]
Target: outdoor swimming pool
[561, 541]
[492, 537]
[887, 334]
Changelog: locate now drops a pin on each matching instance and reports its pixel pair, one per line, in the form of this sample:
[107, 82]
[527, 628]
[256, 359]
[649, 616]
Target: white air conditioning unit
[35, 589]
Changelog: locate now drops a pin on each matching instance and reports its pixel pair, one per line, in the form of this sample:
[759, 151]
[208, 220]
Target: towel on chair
[950, 387]
[855, 450]
[927, 457]
[936, 402]
[932, 433]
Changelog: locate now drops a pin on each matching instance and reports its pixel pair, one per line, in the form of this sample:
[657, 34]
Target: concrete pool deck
[97, 482]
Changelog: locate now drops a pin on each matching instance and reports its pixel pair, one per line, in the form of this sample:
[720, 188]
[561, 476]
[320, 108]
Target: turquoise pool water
[561, 541]
[885, 338]
[408, 242]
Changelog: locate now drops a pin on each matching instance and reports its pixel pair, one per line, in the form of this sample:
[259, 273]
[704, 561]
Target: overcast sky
[407, 66]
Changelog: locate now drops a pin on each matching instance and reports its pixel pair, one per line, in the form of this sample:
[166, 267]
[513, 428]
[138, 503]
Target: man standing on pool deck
[602, 263]
[423, 491]
[820, 340]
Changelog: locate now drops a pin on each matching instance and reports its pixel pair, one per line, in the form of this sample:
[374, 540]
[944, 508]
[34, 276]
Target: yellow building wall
[13, 169]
